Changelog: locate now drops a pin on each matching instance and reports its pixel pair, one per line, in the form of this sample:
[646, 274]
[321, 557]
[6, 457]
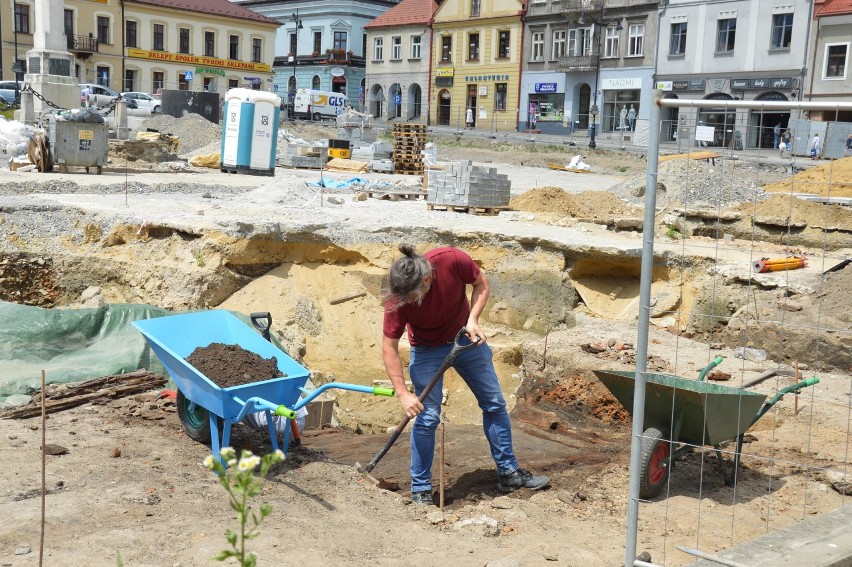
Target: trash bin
[250, 133]
[79, 144]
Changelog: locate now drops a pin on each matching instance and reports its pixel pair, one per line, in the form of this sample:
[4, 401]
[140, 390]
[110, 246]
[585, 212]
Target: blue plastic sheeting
[332, 184]
[70, 344]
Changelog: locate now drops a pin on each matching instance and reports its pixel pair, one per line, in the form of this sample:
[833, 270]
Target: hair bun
[407, 249]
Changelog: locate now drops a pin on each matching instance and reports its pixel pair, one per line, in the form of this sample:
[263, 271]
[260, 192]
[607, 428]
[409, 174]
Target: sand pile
[834, 293]
[193, 130]
[833, 179]
[832, 217]
[589, 204]
[285, 190]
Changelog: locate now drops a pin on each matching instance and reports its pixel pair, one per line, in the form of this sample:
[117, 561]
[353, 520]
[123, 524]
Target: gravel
[193, 130]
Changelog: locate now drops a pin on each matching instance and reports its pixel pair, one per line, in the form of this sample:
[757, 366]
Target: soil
[828, 180]
[232, 365]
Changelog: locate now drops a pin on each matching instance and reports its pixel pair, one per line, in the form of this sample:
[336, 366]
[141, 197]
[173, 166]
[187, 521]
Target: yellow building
[145, 45]
[476, 64]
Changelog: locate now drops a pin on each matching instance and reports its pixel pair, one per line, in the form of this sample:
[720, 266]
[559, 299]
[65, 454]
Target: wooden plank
[694, 155]
[466, 209]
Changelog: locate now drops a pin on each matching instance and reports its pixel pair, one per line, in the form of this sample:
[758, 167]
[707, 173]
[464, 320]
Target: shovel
[457, 349]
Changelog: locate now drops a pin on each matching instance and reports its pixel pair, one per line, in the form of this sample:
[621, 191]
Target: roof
[222, 8]
[832, 8]
[406, 13]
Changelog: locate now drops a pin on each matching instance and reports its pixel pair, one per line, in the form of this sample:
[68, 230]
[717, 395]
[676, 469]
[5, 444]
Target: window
[130, 34]
[446, 49]
[474, 7]
[183, 40]
[293, 40]
[315, 83]
[636, 40]
[317, 42]
[159, 37]
[782, 31]
[537, 41]
[836, 55]
[500, 91]
[129, 80]
[233, 83]
[256, 49]
[340, 40]
[22, 18]
[158, 80]
[396, 48]
[103, 30]
[611, 43]
[678, 45]
[580, 41]
[503, 44]
[473, 47]
[69, 24]
[102, 74]
[378, 48]
[233, 47]
[209, 44]
[415, 46]
[558, 49]
[726, 35]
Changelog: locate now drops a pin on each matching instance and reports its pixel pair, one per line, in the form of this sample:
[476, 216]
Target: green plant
[199, 258]
[672, 232]
[238, 479]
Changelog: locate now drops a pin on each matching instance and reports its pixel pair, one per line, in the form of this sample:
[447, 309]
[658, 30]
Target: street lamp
[298, 21]
[594, 110]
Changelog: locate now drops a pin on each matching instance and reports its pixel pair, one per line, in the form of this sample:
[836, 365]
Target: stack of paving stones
[409, 140]
[377, 155]
[355, 127]
[305, 156]
[464, 186]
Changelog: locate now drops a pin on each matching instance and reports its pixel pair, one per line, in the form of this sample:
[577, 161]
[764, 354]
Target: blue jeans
[476, 367]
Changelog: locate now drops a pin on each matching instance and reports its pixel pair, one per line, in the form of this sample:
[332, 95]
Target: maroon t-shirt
[445, 308]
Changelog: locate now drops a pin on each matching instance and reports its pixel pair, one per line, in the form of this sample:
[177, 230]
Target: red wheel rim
[656, 470]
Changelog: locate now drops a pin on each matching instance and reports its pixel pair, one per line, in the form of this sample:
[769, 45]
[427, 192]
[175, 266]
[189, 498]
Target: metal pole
[644, 323]
[594, 110]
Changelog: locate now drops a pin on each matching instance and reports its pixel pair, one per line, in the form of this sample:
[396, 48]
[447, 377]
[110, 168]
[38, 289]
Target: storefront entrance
[444, 102]
[761, 126]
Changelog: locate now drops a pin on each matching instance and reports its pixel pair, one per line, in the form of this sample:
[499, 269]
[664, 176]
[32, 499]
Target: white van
[317, 105]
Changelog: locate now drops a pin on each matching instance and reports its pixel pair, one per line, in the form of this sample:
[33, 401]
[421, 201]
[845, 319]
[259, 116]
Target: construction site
[751, 264]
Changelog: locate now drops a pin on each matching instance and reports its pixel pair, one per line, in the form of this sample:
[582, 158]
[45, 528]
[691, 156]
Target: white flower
[254, 460]
[208, 462]
[227, 452]
[279, 455]
[245, 465]
[232, 462]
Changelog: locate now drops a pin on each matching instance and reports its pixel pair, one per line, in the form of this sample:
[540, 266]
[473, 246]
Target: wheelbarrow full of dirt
[683, 414]
[202, 404]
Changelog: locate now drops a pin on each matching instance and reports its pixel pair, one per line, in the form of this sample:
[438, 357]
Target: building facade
[146, 45]
[476, 64]
[829, 74]
[399, 44]
[321, 45]
[740, 50]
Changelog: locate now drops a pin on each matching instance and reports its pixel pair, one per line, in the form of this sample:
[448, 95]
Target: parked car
[145, 101]
[100, 95]
[7, 91]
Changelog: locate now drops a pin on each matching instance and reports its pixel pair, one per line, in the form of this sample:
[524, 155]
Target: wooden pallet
[462, 209]
[394, 195]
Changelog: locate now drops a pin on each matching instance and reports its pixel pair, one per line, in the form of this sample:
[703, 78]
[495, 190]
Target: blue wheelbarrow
[202, 404]
[681, 415]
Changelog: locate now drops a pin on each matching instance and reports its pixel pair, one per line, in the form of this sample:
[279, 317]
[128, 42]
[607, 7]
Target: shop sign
[545, 87]
[779, 83]
[697, 85]
[208, 71]
[621, 84]
[759, 83]
[478, 78]
[739, 84]
[168, 57]
[665, 85]
[446, 72]
[680, 85]
[783, 83]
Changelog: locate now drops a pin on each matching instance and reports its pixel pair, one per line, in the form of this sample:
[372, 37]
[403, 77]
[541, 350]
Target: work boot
[423, 497]
[521, 478]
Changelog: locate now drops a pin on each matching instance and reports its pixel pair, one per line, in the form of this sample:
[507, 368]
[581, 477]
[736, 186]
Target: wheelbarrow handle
[457, 349]
[713, 364]
[794, 389]
[260, 326]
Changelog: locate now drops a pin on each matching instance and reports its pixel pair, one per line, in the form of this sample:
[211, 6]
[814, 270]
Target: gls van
[316, 105]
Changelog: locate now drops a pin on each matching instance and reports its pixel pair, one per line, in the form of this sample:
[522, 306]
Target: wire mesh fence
[755, 229]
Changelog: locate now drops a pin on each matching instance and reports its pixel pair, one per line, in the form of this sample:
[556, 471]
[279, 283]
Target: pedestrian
[786, 141]
[426, 295]
[849, 146]
[816, 147]
[84, 96]
[776, 132]
[468, 118]
[533, 120]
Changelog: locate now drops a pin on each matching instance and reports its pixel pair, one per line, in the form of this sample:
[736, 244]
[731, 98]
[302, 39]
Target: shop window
[726, 35]
[782, 31]
[473, 47]
[548, 107]
[129, 80]
[620, 110]
[537, 41]
[183, 84]
[636, 40]
[102, 74]
[503, 44]
[501, 91]
[158, 81]
[678, 44]
[836, 57]
[233, 83]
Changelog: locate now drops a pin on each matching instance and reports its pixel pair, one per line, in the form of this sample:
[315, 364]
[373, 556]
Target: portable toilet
[250, 133]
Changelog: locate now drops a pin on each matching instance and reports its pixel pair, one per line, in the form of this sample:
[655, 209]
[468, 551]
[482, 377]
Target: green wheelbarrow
[682, 414]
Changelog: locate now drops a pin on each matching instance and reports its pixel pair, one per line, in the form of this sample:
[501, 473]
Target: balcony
[579, 6]
[576, 63]
[82, 44]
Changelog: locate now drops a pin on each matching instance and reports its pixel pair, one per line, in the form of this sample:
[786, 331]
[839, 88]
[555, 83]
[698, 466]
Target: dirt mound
[830, 179]
[816, 215]
[232, 365]
[834, 293]
[589, 204]
[193, 130]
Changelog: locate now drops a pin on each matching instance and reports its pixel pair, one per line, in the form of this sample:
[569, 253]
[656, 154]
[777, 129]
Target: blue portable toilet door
[231, 142]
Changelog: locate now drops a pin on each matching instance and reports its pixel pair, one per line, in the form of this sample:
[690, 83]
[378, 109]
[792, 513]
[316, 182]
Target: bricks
[466, 185]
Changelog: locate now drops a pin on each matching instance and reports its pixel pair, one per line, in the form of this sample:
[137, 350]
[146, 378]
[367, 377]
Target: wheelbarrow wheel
[194, 418]
[656, 449]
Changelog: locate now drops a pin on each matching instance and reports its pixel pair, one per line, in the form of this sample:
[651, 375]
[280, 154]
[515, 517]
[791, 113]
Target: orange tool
[777, 264]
